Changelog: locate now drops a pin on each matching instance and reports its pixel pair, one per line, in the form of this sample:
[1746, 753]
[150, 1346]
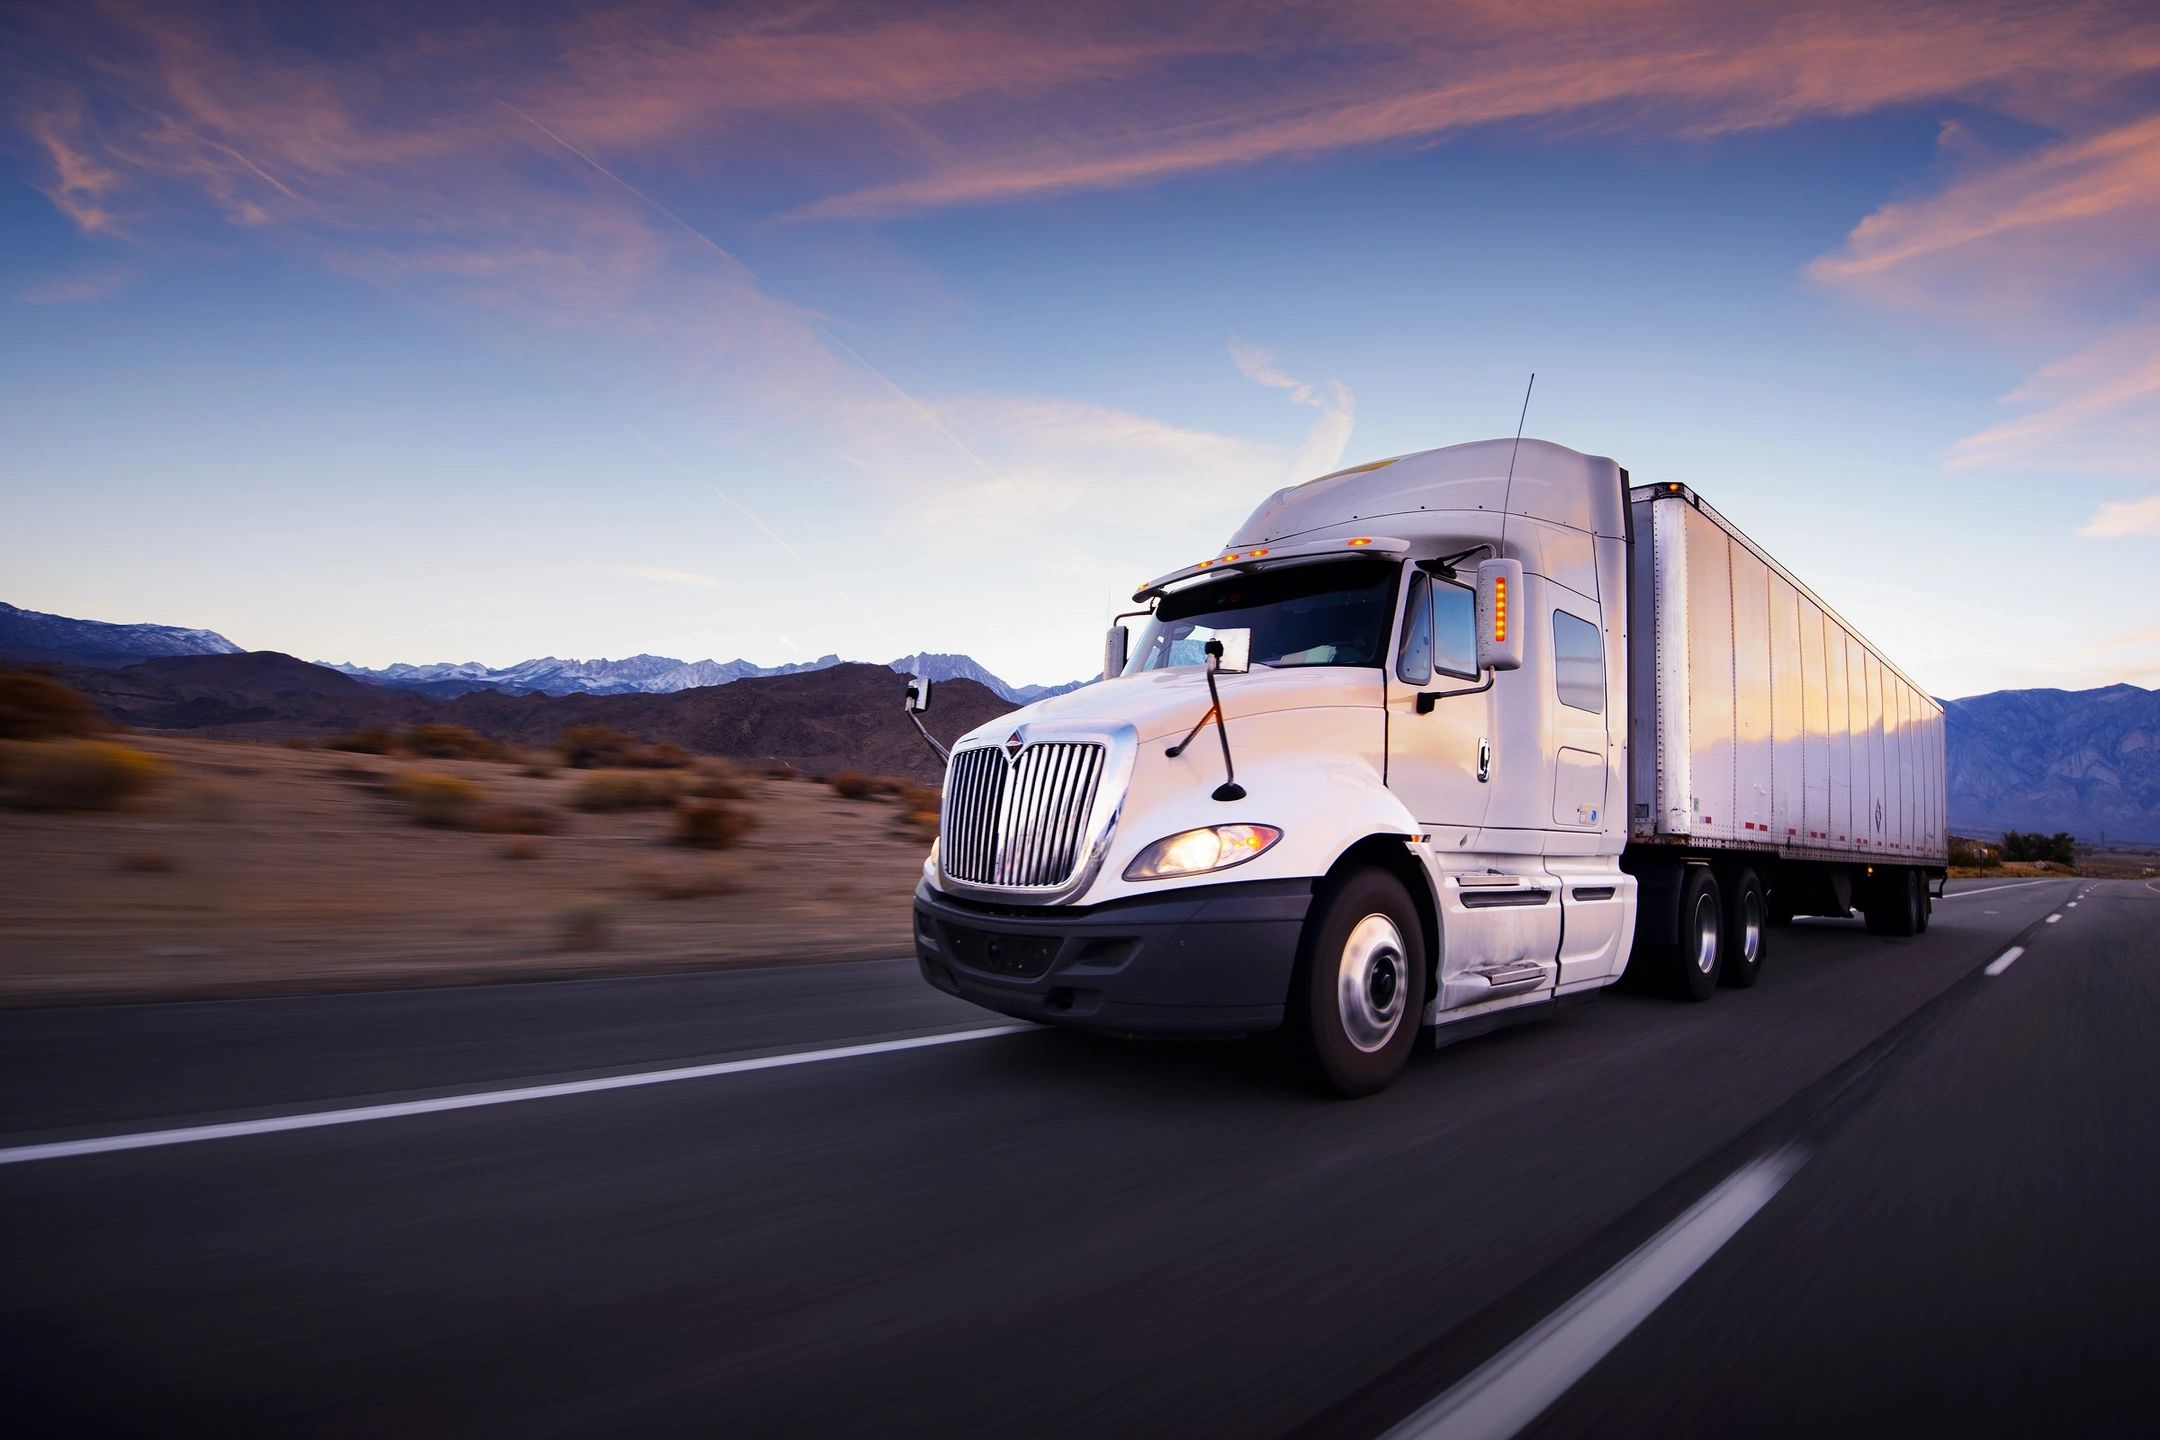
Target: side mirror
[1115, 651]
[1499, 615]
[1232, 650]
[918, 695]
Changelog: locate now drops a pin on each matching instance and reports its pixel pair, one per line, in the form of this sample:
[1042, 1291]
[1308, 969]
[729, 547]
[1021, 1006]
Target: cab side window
[1578, 663]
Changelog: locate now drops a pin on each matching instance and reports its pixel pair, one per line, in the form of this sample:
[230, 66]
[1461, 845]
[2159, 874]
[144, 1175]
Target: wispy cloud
[77, 287]
[661, 575]
[1330, 434]
[2117, 519]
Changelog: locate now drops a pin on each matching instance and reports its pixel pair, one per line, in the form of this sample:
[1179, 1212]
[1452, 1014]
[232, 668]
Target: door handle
[1484, 760]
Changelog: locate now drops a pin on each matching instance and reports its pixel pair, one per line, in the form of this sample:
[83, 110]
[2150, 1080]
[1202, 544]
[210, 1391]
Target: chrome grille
[1019, 824]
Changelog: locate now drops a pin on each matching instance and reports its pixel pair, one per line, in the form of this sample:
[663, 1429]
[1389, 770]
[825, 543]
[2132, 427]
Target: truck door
[1440, 761]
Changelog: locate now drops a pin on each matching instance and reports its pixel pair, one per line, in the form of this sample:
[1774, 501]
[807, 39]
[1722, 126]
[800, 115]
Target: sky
[373, 332]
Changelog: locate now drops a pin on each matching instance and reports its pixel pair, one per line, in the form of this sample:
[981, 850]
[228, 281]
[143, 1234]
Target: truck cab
[1359, 774]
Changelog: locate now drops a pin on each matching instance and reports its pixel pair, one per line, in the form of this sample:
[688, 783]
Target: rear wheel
[1896, 902]
[1689, 970]
[1359, 995]
[1747, 932]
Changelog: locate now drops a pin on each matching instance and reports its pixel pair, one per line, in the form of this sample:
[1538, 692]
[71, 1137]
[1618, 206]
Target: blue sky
[773, 332]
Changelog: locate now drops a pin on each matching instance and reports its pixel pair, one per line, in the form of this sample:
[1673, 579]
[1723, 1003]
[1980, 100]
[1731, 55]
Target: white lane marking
[1513, 1388]
[2071, 906]
[1991, 889]
[2054, 917]
[271, 1125]
[2005, 960]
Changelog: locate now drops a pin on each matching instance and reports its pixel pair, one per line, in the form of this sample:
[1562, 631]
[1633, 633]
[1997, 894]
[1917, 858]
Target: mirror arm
[942, 753]
[1428, 698]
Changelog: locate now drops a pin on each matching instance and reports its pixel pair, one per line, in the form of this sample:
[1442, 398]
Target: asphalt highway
[1886, 1191]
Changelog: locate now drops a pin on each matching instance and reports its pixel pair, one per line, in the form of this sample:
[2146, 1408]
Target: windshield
[1335, 613]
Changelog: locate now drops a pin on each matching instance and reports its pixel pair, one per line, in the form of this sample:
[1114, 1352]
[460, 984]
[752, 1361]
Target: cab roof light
[1361, 540]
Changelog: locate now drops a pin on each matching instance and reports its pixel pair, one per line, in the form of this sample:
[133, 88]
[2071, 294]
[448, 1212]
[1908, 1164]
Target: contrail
[830, 336]
[867, 612]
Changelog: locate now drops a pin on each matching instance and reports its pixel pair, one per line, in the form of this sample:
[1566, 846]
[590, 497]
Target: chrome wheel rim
[1706, 934]
[1751, 926]
[1372, 982]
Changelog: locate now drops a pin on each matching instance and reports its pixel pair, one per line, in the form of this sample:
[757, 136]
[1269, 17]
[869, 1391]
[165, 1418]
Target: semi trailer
[1435, 744]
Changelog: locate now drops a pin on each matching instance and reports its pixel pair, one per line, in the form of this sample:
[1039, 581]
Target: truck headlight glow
[1194, 852]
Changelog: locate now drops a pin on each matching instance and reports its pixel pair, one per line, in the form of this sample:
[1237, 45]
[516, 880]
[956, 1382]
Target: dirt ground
[259, 870]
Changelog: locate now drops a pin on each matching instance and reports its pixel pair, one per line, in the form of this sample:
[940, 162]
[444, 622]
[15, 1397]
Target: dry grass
[626, 790]
[854, 785]
[657, 881]
[448, 802]
[299, 880]
[450, 742]
[76, 774]
[38, 707]
[713, 824]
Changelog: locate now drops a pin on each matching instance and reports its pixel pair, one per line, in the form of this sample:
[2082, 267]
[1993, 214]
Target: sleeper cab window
[1439, 631]
[1578, 662]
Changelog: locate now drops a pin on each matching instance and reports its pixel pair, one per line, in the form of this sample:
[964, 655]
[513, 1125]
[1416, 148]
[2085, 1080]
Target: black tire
[1682, 970]
[1896, 901]
[1927, 903]
[1747, 930]
[1358, 997]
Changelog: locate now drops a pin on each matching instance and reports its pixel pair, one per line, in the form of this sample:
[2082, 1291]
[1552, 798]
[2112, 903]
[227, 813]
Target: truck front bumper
[1209, 959]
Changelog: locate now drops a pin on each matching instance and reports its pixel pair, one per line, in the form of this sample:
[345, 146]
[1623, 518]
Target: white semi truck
[1435, 744]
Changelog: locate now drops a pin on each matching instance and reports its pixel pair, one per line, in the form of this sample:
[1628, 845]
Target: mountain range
[57, 639]
[2085, 761]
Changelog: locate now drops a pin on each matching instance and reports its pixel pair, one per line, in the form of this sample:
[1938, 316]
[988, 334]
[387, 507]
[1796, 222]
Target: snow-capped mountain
[656, 675]
[551, 675]
[935, 667]
[35, 635]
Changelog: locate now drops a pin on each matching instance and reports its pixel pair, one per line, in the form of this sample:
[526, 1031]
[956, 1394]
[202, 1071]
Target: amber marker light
[1256, 554]
[1361, 540]
[1499, 610]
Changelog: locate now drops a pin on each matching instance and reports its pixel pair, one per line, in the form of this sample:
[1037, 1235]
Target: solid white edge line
[271, 1125]
[1513, 1388]
[1991, 889]
[2005, 960]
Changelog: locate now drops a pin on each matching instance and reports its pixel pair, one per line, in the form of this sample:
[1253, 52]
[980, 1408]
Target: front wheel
[1359, 995]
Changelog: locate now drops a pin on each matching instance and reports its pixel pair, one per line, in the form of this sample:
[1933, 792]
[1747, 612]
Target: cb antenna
[1508, 493]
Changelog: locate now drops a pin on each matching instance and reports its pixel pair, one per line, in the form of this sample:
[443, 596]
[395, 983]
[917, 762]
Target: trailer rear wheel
[1896, 901]
[1359, 995]
[1747, 933]
[1691, 967]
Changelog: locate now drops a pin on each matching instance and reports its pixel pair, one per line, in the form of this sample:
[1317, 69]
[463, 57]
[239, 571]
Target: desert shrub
[79, 774]
[374, 740]
[447, 801]
[297, 742]
[656, 881]
[148, 862]
[597, 747]
[1972, 854]
[450, 742]
[853, 785]
[713, 824]
[38, 707]
[718, 780]
[664, 757]
[779, 770]
[626, 790]
[585, 925]
[510, 820]
[523, 847]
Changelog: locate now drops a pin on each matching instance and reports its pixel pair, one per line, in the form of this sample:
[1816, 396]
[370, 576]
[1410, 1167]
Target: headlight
[1192, 852]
